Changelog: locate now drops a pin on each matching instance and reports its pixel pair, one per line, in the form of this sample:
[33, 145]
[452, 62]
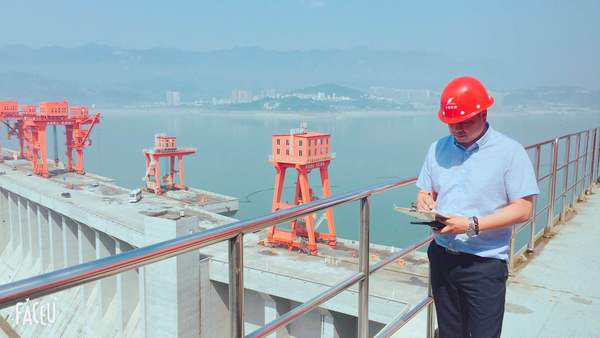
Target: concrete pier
[57, 259]
[34, 230]
[86, 240]
[173, 285]
[127, 290]
[105, 246]
[44, 237]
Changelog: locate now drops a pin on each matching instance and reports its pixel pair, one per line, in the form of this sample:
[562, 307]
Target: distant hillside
[116, 76]
[331, 89]
[107, 75]
[326, 97]
[552, 96]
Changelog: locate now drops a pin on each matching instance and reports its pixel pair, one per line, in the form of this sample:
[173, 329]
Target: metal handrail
[69, 277]
[553, 197]
[72, 276]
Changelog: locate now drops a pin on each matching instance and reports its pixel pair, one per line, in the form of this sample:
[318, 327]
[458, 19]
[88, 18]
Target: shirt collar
[479, 143]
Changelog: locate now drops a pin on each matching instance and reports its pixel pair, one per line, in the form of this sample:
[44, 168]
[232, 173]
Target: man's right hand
[425, 200]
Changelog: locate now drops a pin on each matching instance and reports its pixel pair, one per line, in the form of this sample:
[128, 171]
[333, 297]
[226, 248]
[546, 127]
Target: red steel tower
[24, 136]
[165, 146]
[51, 113]
[303, 151]
[78, 133]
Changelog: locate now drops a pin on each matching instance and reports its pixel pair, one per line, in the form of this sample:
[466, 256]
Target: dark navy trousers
[469, 293]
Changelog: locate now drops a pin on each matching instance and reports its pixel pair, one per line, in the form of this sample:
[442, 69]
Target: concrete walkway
[557, 294]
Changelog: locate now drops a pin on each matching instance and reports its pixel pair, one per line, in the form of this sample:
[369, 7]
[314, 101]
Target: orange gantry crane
[303, 151]
[165, 147]
[29, 126]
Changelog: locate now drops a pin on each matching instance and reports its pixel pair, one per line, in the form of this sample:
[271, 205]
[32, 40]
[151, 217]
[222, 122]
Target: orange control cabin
[54, 109]
[9, 109]
[303, 148]
[164, 143]
[302, 151]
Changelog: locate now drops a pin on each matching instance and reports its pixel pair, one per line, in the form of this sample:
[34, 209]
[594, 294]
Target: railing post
[363, 284]
[565, 185]
[430, 310]
[584, 172]
[236, 286]
[531, 243]
[511, 249]
[597, 177]
[593, 163]
[576, 178]
[552, 186]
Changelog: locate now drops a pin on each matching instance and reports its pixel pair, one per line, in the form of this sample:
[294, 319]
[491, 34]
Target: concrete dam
[68, 219]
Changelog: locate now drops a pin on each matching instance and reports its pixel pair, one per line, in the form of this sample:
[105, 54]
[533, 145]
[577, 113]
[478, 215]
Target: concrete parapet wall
[35, 240]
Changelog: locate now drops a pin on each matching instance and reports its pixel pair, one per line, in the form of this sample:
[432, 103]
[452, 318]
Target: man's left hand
[455, 225]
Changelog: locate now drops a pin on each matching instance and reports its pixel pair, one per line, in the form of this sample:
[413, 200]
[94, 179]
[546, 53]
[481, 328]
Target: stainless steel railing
[581, 177]
[58, 280]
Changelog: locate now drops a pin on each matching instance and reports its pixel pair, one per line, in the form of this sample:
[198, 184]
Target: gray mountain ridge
[112, 76]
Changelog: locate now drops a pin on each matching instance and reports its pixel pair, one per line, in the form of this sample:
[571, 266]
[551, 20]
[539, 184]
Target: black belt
[450, 251]
[453, 252]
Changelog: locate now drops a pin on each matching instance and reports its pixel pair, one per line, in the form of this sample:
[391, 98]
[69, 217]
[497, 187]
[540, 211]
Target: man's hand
[425, 201]
[454, 225]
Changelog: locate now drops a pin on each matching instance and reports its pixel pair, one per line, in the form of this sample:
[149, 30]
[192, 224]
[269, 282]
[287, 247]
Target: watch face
[471, 229]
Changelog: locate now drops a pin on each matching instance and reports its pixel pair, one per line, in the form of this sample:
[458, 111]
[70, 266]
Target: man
[485, 182]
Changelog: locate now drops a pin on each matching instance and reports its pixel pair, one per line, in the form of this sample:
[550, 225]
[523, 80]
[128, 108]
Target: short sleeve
[424, 182]
[520, 177]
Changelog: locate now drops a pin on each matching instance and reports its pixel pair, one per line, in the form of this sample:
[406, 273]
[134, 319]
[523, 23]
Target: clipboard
[428, 216]
[431, 218]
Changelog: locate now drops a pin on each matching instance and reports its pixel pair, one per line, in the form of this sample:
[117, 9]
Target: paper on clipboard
[428, 216]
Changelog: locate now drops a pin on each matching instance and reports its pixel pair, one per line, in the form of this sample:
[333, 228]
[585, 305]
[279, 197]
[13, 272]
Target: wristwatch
[473, 228]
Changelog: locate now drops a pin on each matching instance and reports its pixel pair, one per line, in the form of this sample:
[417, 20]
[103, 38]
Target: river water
[233, 148]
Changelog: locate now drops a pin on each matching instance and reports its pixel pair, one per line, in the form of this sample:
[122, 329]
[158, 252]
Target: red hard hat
[463, 98]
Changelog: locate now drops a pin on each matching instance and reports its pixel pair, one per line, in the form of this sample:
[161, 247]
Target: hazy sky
[559, 36]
